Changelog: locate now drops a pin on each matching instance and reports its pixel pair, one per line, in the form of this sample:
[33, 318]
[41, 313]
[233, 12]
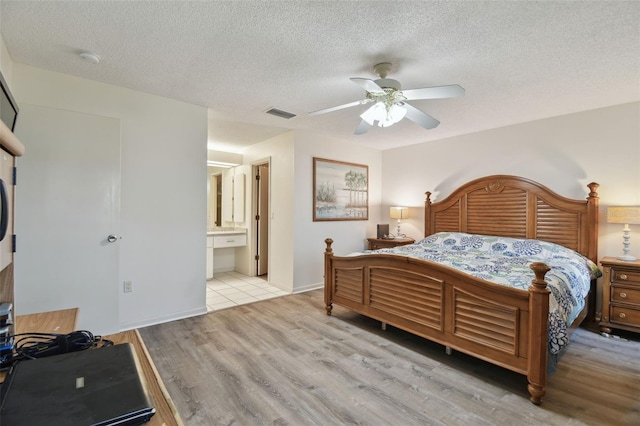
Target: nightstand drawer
[625, 295]
[625, 276]
[626, 316]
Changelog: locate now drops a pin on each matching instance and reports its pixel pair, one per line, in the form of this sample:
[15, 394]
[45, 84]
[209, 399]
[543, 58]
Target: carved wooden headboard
[512, 206]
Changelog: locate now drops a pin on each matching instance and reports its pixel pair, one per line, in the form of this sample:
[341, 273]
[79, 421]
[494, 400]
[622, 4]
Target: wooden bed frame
[504, 326]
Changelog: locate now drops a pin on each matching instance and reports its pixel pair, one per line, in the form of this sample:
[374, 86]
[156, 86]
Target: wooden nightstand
[378, 243]
[620, 295]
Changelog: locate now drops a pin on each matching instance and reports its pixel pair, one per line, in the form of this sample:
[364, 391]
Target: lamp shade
[628, 215]
[377, 112]
[394, 114]
[399, 212]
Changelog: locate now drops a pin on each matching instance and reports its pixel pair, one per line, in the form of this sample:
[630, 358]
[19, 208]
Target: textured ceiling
[517, 60]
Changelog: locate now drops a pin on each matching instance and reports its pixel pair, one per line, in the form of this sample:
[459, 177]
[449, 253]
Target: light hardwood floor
[285, 362]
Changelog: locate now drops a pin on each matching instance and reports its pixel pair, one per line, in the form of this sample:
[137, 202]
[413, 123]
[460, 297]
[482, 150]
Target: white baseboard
[217, 271]
[163, 319]
[308, 287]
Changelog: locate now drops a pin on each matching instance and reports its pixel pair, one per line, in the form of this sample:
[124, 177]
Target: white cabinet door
[238, 197]
[233, 195]
[227, 196]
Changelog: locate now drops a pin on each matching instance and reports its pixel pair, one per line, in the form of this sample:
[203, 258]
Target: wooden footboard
[505, 326]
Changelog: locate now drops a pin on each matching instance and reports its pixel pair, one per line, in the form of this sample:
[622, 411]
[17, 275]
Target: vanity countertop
[226, 230]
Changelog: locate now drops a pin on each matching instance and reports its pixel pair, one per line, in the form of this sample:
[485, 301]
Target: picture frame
[340, 190]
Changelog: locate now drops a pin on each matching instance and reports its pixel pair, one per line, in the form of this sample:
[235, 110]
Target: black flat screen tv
[8, 105]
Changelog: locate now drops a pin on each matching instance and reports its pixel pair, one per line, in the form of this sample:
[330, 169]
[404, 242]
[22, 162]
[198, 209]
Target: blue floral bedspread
[506, 261]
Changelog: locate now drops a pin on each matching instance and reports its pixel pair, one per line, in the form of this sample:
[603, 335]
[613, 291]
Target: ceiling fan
[390, 102]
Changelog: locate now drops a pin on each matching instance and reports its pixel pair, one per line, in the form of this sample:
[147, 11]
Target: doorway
[261, 216]
[227, 289]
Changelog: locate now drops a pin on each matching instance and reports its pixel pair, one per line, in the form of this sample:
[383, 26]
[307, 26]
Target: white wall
[296, 243]
[564, 153]
[6, 63]
[279, 150]
[309, 236]
[163, 198]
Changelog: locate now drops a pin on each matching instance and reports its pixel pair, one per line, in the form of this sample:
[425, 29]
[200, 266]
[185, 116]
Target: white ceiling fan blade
[438, 92]
[368, 85]
[420, 118]
[336, 108]
[362, 128]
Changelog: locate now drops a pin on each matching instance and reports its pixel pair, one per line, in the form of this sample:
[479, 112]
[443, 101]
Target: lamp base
[627, 258]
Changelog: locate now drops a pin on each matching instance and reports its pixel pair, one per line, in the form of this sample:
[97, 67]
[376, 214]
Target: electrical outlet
[128, 286]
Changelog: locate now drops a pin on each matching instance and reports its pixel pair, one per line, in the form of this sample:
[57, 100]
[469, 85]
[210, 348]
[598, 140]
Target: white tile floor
[228, 289]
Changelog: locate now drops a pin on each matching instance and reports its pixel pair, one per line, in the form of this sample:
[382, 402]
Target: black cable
[37, 345]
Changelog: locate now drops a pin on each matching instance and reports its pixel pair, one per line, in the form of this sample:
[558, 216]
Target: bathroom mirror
[215, 200]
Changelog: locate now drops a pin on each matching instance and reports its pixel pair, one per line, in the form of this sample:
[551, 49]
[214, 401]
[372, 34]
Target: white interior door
[67, 204]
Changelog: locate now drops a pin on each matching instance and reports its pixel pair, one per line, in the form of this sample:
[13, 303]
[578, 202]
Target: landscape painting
[340, 190]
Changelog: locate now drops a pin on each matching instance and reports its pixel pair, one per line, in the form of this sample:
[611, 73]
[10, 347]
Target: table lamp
[628, 215]
[399, 213]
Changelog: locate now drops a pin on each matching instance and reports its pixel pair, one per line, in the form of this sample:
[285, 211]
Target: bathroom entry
[261, 173]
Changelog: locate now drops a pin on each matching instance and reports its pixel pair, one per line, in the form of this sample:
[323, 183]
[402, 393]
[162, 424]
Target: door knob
[112, 238]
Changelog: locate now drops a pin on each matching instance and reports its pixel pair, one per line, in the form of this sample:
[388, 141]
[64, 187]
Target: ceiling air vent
[280, 113]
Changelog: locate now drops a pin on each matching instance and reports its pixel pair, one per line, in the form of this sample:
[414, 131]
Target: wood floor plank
[285, 362]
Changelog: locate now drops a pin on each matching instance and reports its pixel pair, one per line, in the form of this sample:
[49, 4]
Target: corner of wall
[6, 63]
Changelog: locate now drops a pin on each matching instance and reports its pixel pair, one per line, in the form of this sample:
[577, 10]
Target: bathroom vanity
[221, 248]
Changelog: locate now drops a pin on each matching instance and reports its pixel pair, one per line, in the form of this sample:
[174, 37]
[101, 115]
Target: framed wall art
[340, 190]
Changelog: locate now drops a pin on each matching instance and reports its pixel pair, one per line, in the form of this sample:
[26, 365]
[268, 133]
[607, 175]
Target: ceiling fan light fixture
[396, 113]
[377, 112]
[385, 116]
